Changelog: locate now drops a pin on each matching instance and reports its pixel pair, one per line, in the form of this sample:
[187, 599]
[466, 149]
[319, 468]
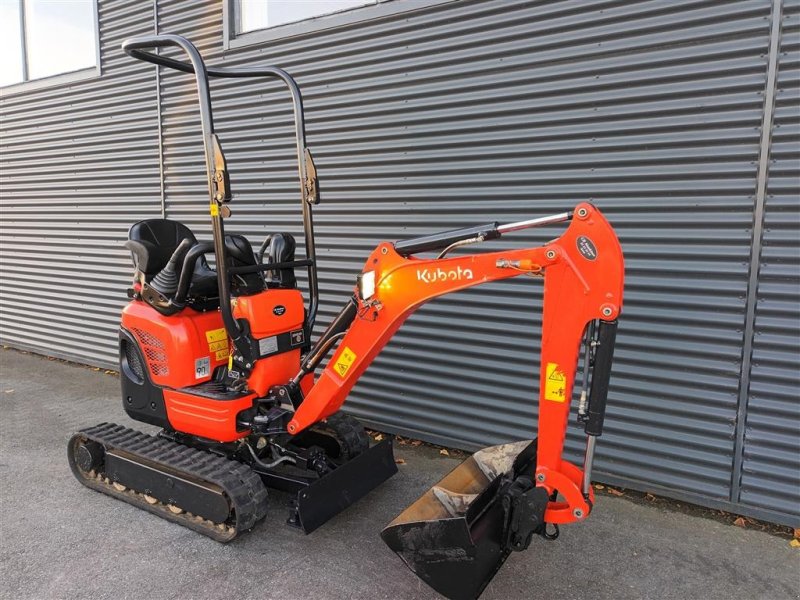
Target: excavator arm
[583, 282]
[583, 279]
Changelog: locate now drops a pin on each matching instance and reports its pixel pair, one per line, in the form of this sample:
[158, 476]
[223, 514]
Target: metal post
[755, 251]
[160, 124]
[23, 40]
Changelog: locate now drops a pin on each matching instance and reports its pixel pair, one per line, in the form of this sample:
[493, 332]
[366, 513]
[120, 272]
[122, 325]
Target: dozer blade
[344, 486]
[453, 536]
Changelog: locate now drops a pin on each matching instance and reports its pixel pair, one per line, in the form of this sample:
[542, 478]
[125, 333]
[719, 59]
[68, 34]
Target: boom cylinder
[601, 375]
[337, 328]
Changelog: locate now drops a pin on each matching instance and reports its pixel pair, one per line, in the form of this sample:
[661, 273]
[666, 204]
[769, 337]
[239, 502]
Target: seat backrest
[153, 241]
[281, 250]
[240, 254]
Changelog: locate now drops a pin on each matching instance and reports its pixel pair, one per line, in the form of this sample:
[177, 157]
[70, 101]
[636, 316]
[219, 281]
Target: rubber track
[244, 490]
[350, 432]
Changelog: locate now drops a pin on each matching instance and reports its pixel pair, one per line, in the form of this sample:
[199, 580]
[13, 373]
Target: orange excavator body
[222, 360]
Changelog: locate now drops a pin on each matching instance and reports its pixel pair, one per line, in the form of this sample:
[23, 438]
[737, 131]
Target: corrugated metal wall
[78, 165]
[502, 110]
[771, 443]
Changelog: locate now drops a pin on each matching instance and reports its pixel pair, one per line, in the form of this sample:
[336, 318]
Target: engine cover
[167, 362]
[180, 350]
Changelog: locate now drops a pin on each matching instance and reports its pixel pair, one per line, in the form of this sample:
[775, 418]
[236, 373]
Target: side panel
[179, 350]
[274, 370]
[272, 313]
[141, 400]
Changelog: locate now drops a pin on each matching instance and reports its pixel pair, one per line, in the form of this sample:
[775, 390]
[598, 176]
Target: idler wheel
[89, 456]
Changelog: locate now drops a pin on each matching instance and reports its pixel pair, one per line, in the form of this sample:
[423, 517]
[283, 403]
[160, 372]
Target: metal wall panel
[771, 474]
[78, 165]
[483, 110]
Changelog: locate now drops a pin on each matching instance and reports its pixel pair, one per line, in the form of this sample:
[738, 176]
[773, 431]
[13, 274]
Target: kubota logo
[432, 276]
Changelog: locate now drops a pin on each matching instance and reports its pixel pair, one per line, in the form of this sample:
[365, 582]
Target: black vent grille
[132, 357]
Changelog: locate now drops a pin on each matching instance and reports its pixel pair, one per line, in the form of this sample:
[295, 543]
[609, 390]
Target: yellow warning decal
[217, 335]
[345, 360]
[214, 209]
[555, 383]
[215, 346]
[218, 343]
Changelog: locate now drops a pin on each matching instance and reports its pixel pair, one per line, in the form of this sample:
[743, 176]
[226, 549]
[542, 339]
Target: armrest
[142, 253]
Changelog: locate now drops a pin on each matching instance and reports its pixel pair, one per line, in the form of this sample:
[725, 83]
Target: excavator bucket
[455, 536]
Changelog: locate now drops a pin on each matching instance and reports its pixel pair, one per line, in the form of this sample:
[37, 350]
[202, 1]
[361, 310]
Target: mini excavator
[222, 361]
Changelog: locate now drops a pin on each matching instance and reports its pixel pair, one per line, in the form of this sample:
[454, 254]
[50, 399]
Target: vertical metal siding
[78, 165]
[771, 475]
[498, 110]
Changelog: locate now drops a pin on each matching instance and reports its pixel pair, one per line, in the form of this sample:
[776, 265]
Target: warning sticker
[216, 335]
[346, 358]
[215, 346]
[555, 384]
[214, 209]
[218, 343]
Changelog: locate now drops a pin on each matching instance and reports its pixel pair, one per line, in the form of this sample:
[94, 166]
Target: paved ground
[61, 540]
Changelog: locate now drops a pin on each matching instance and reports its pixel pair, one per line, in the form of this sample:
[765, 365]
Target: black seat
[152, 243]
[240, 254]
[281, 250]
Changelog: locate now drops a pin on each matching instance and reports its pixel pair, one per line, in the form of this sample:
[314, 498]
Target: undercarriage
[220, 490]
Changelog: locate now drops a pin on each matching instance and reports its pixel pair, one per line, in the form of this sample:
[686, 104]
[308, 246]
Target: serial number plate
[268, 345]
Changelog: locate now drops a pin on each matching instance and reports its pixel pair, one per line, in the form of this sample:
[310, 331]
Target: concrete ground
[59, 539]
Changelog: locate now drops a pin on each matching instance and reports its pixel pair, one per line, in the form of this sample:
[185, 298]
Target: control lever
[166, 282]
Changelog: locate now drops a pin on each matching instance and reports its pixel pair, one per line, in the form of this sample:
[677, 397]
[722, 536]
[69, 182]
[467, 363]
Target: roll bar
[218, 189]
